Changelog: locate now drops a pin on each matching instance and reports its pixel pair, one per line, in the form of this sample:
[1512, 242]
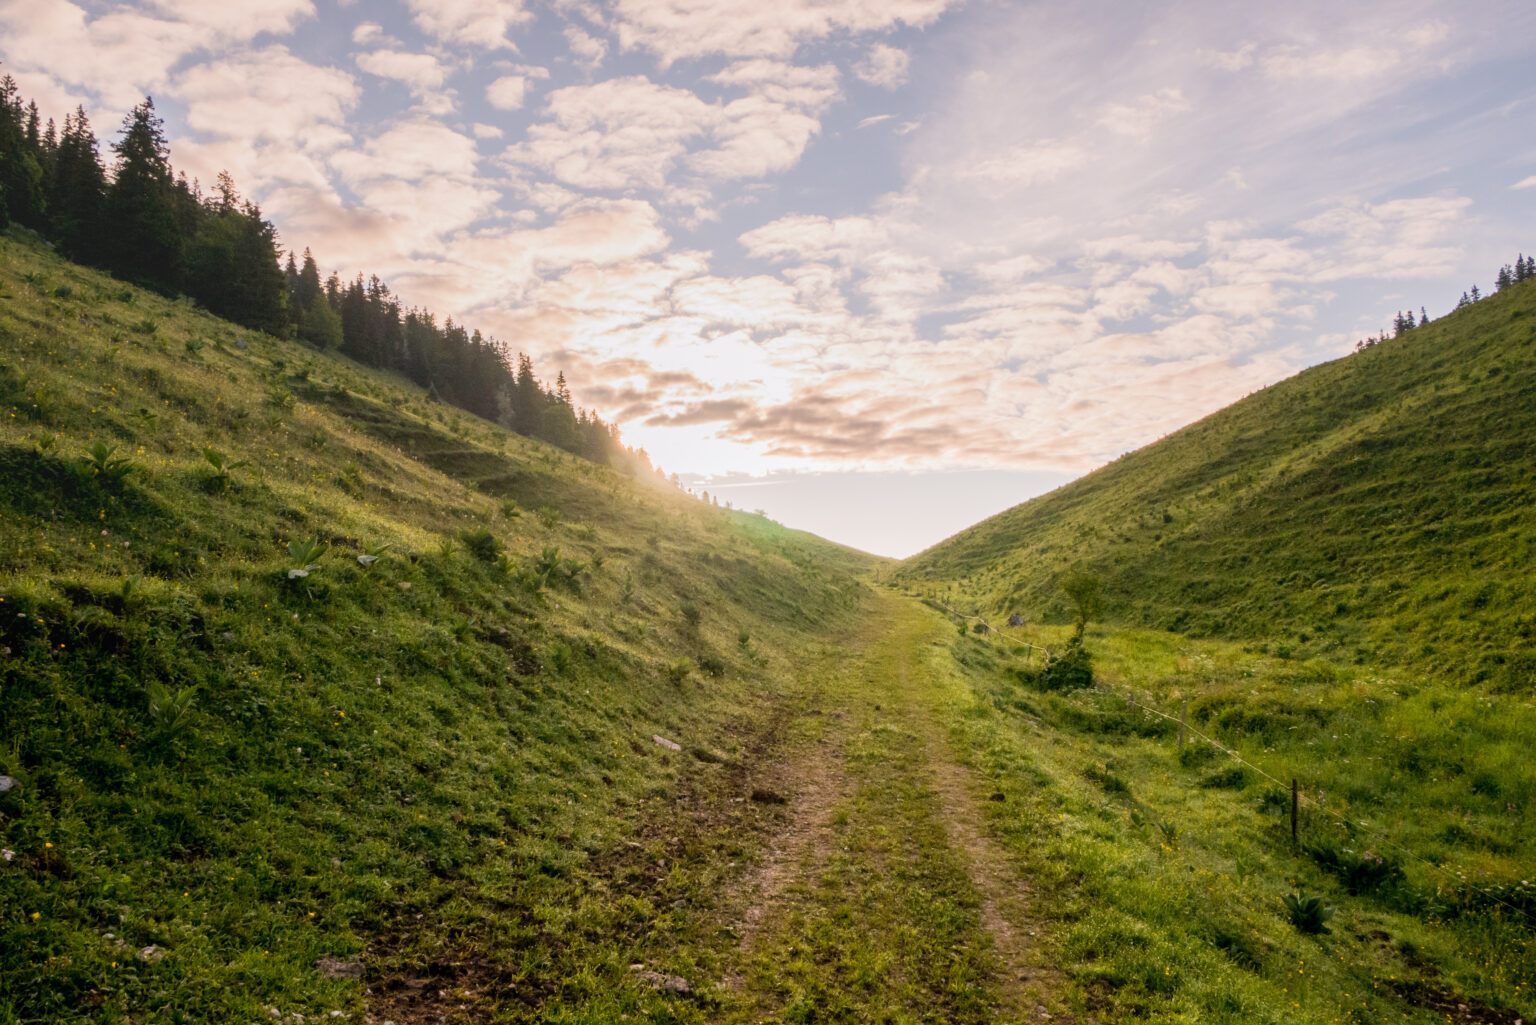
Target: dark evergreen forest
[148, 225]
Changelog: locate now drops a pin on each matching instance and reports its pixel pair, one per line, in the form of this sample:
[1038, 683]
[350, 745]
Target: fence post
[1183, 715]
[1295, 839]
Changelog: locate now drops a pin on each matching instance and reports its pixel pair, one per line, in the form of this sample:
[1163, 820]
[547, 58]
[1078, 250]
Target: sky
[880, 268]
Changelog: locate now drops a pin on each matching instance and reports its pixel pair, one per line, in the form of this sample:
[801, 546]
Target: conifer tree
[77, 191]
[144, 218]
[21, 173]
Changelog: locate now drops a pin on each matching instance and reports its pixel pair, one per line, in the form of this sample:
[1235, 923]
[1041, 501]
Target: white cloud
[677, 29]
[421, 72]
[484, 131]
[588, 49]
[1525, 183]
[1139, 117]
[885, 66]
[230, 22]
[633, 133]
[1029, 164]
[507, 92]
[369, 32]
[483, 23]
[267, 94]
[125, 53]
[616, 134]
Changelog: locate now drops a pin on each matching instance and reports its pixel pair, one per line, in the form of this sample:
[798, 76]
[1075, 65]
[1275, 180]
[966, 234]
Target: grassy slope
[433, 759]
[1334, 573]
[1382, 506]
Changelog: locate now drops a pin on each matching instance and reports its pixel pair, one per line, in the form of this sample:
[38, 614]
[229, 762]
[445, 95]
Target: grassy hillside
[1381, 506]
[301, 669]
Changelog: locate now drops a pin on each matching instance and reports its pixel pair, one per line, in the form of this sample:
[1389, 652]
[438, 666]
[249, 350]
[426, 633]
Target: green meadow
[322, 699]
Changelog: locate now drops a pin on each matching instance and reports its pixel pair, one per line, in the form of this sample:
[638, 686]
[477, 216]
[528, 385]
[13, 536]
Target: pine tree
[1504, 278]
[77, 191]
[145, 215]
[21, 173]
[1423, 316]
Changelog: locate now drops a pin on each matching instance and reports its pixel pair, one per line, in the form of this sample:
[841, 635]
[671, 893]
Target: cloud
[421, 72]
[368, 33]
[679, 29]
[620, 133]
[1030, 164]
[1138, 118]
[1418, 237]
[482, 23]
[633, 133]
[268, 94]
[1525, 183]
[885, 66]
[588, 49]
[125, 53]
[873, 119]
[507, 92]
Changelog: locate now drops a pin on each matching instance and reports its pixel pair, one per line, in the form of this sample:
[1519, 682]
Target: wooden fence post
[1183, 715]
[1295, 837]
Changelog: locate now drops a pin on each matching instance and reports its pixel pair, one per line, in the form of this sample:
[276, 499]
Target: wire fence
[1181, 720]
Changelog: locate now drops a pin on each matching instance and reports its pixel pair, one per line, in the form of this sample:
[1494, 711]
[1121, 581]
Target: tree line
[147, 224]
[1523, 269]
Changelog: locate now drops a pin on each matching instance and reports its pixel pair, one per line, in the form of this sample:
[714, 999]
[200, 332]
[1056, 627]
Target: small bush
[1361, 872]
[1070, 670]
[99, 462]
[691, 614]
[482, 544]
[1107, 780]
[1307, 913]
[1233, 777]
[679, 671]
[712, 665]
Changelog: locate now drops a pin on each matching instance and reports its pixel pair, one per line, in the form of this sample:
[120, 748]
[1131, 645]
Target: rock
[767, 797]
[664, 742]
[660, 982]
[7, 784]
[152, 954]
[335, 968]
[1015, 620]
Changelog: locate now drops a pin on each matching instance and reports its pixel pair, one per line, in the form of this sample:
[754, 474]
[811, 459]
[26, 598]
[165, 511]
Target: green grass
[1165, 874]
[379, 685]
[424, 762]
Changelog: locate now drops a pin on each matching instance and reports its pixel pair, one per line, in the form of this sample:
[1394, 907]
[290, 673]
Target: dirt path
[883, 866]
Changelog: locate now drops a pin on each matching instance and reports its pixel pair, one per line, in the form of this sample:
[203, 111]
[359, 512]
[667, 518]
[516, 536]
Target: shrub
[99, 462]
[305, 556]
[679, 671]
[1307, 913]
[712, 665]
[1072, 669]
[691, 614]
[220, 478]
[482, 544]
[1360, 872]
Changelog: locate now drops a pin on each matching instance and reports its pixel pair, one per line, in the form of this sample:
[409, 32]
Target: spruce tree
[21, 173]
[77, 192]
[144, 219]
